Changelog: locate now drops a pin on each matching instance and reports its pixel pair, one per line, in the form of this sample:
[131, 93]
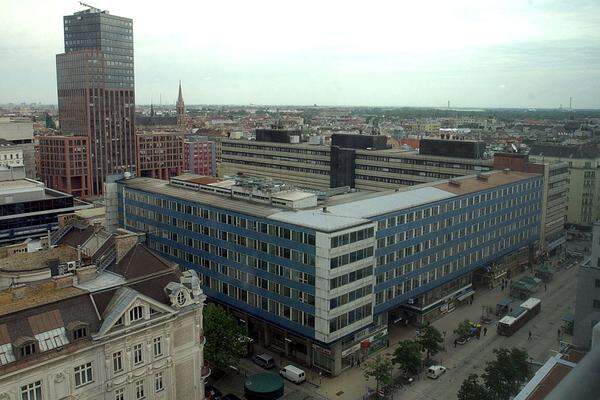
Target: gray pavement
[471, 357]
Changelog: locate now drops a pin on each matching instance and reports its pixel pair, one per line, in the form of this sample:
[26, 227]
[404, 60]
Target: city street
[471, 357]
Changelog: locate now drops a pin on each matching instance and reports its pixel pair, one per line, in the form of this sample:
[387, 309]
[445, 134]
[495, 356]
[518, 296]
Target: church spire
[180, 108]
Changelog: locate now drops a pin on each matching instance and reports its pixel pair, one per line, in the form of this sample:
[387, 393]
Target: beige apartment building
[583, 180]
[131, 330]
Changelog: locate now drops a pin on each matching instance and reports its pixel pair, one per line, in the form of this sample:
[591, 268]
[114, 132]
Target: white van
[293, 374]
[435, 371]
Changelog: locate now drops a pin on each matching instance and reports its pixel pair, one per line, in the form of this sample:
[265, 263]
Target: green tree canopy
[226, 341]
[473, 389]
[380, 368]
[504, 376]
[430, 340]
[463, 329]
[408, 356]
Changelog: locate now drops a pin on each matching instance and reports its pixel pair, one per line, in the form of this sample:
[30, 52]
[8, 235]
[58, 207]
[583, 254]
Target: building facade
[583, 180]
[129, 328]
[64, 163]
[96, 96]
[18, 132]
[556, 196]
[200, 155]
[28, 208]
[159, 154]
[324, 167]
[587, 301]
[319, 284]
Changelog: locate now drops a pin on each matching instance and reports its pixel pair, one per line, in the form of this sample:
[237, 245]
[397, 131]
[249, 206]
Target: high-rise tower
[96, 95]
[180, 108]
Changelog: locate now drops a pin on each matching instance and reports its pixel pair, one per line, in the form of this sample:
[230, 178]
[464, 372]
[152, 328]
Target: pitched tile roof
[140, 262]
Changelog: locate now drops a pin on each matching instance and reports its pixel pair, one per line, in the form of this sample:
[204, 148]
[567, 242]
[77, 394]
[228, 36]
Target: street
[471, 357]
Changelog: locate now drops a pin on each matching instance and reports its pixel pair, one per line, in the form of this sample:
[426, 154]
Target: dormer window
[78, 330]
[119, 322]
[136, 313]
[27, 349]
[80, 333]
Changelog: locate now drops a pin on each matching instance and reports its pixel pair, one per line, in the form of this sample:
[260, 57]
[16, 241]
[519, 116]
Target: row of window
[350, 296]
[351, 257]
[248, 278]
[439, 272]
[277, 149]
[350, 317]
[458, 205]
[350, 277]
[274, 158]
[352, 237]
[254, 244]
[257, 301]
[84, 375]
[220, 217]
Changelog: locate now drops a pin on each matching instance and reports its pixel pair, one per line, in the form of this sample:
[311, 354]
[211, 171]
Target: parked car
[212, 393]
[293, 374]
[264, 360]
[435, 371]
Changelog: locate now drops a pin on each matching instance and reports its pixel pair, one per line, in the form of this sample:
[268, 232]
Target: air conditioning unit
[71, 265]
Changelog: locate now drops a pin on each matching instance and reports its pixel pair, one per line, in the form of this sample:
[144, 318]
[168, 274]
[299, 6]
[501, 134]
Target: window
[596, 303]
[139, 390]
[137, 354]
[83, 374]
[136, 313]
[33, 391]
[80, 333]
[157, 346]
[120, 394]
[27, 349]
[181, 298]
[597, 283]
[117, 361]
[158, 382]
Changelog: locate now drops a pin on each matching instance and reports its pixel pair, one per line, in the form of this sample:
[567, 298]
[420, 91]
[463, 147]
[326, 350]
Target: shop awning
[465, 295]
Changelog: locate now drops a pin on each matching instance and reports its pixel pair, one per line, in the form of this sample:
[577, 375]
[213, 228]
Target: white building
[131, 332]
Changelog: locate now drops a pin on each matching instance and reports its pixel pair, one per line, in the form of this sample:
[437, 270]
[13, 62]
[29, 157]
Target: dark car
[264, 360]
[212, 393]
[231, 396]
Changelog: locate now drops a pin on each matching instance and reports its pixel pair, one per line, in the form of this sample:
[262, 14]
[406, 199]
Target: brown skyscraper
[180, 108]
[96, 96]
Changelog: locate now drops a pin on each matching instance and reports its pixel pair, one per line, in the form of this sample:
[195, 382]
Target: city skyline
[517, 54]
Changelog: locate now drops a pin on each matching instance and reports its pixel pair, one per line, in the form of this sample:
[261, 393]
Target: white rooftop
[354, 213]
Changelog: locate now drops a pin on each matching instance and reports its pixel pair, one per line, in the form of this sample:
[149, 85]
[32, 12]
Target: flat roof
[36, 294]
[342, 211]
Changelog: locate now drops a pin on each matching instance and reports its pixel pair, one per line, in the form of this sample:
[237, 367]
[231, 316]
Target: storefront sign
[322, 350]
[351, 350]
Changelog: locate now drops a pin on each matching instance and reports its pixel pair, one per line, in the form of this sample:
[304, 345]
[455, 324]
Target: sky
[473, 53]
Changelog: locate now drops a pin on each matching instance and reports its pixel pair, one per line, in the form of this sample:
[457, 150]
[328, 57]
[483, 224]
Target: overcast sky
[475, 53]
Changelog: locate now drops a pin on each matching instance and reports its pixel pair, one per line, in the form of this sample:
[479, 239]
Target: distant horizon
[509, 54]
[251, 105]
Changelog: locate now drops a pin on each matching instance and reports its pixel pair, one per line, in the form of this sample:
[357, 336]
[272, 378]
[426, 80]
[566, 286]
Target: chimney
[124, 243]
[86, 274]
[325, 209]
[64, 281]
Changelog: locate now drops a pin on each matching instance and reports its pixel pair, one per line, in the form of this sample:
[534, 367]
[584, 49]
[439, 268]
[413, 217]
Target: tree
[504, 376]
[226, 341]
[408, 357]
[430, 340]
[473, 389]
[463, 329]
[380, 368]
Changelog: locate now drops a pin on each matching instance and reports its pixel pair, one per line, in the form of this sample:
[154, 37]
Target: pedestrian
[529, 337]
[455, 342]
[545, 287]
[484, 330]
[559, 333]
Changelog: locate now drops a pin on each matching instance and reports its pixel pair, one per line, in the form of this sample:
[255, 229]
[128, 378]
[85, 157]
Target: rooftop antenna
[448, 104]
[570, 103]
[96, 9]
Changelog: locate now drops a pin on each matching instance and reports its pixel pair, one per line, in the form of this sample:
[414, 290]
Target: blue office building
[319, 280]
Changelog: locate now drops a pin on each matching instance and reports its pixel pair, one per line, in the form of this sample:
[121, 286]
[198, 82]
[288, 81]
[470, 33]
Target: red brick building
[159, 154]
[64, 164]
[200, 156]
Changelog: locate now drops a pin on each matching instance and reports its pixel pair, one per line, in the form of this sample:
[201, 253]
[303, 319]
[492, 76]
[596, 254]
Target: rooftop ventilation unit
[454, 182]
[483, 177]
